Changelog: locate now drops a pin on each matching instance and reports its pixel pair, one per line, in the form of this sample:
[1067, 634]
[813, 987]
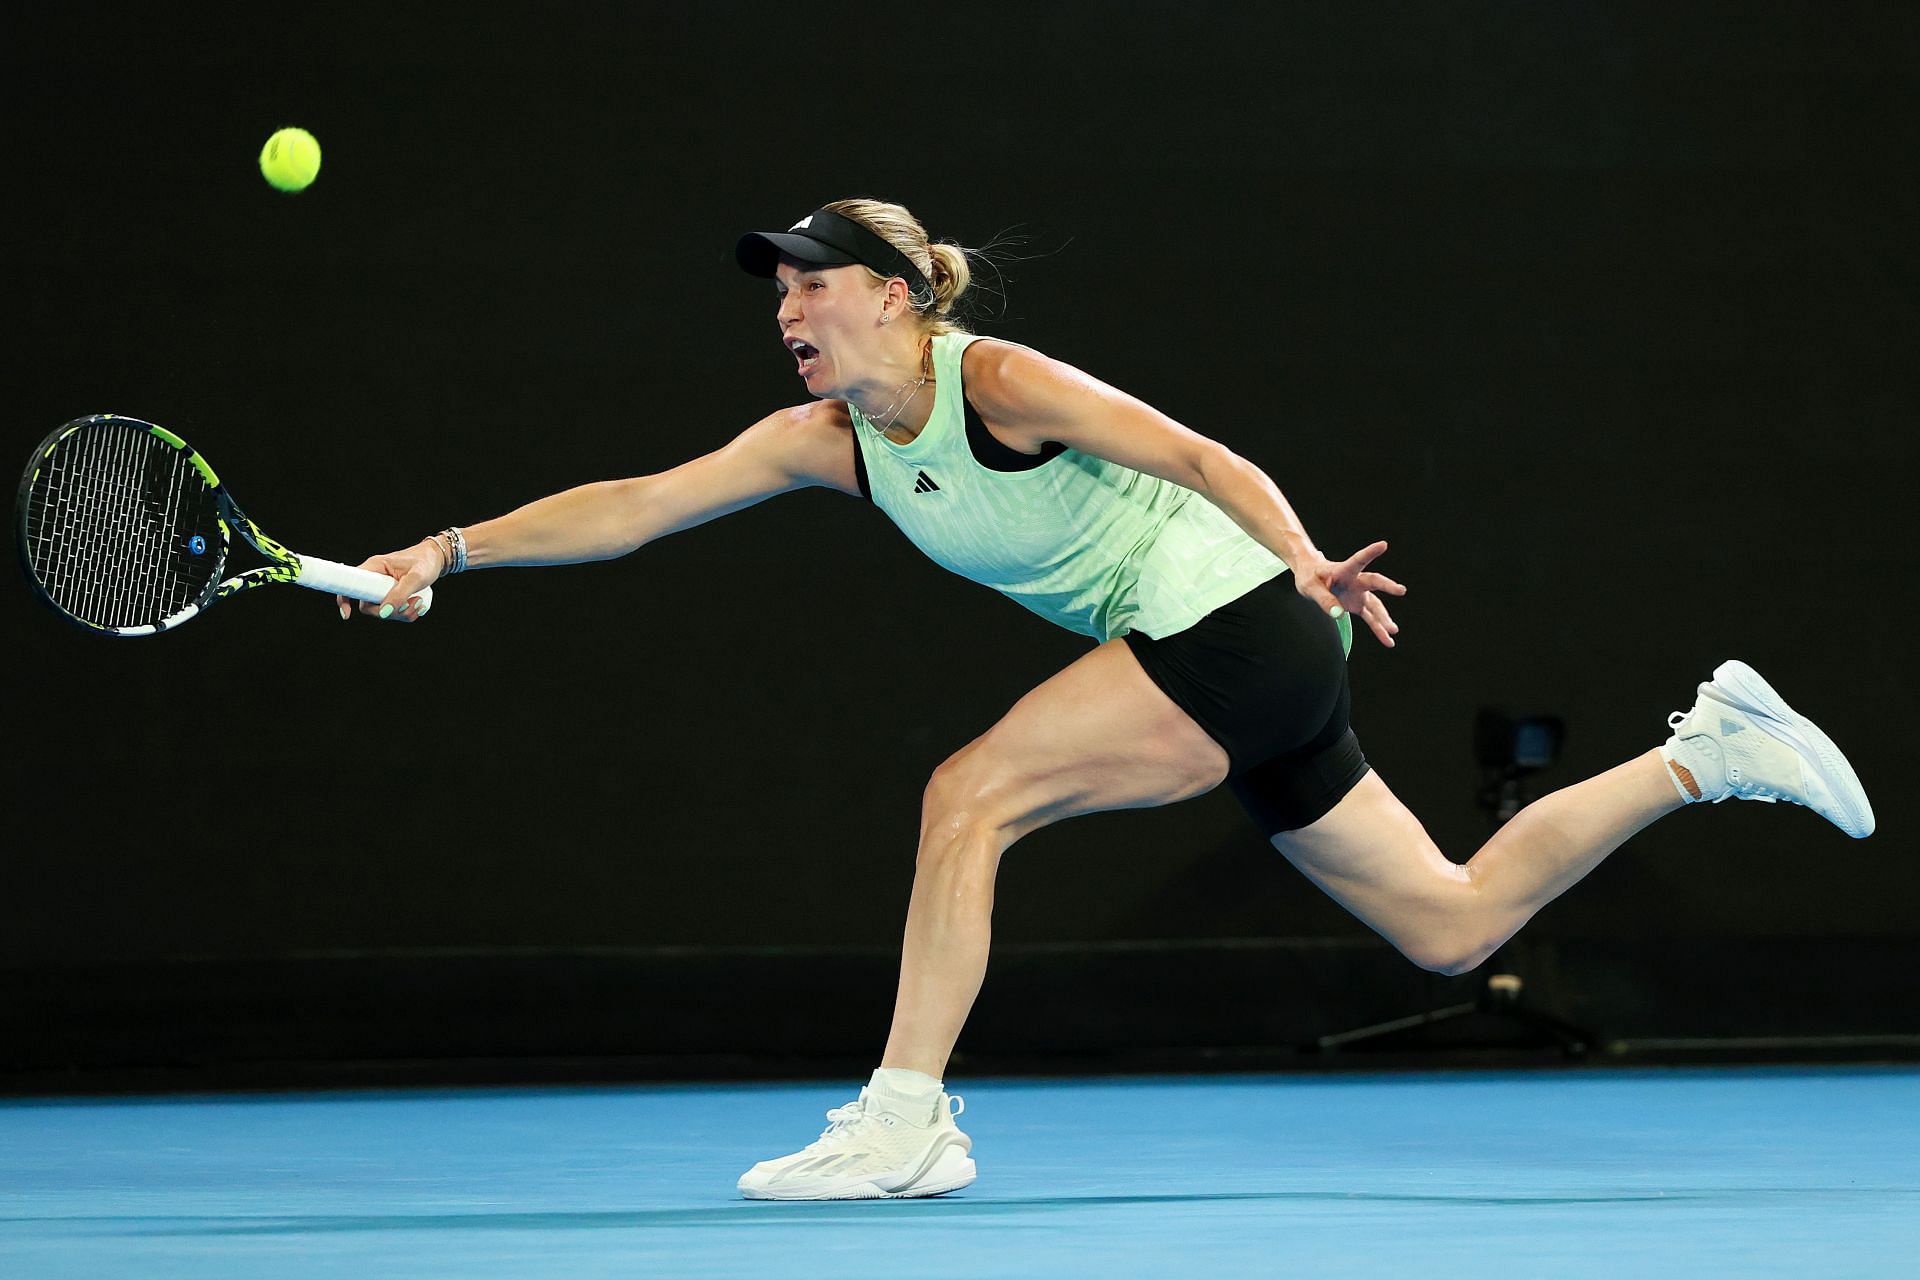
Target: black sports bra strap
[991, 453]
[860, 465]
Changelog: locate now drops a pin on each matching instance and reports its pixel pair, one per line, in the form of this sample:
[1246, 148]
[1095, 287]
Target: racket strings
[111, 523]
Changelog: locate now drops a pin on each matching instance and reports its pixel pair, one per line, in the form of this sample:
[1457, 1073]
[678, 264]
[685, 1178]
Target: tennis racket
[124, 529]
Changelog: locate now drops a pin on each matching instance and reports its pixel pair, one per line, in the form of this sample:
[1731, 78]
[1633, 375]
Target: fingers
[400, 608]
[1310, 585]
[1351, 576]
[412, 569]
[1361, 558]
[1345, 588]
[1382, 631]
[406, 610]
[402, 604]
[1380, 582]
[345, 604]
[1378, 620]
[1381, 622]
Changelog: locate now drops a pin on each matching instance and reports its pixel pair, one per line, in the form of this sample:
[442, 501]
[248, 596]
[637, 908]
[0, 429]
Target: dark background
[1603, 314]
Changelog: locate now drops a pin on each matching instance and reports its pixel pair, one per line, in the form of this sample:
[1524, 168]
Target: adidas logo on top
[925, 484]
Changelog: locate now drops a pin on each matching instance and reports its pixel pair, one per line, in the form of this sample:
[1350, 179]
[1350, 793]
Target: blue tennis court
[1731, 1172]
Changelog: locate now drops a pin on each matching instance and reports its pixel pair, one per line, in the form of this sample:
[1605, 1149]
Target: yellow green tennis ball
[290, 160]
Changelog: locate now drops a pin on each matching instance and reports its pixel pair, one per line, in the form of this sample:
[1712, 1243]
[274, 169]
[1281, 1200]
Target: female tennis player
[1220, 633]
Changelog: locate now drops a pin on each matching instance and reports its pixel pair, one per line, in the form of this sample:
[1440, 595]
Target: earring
[884, 317]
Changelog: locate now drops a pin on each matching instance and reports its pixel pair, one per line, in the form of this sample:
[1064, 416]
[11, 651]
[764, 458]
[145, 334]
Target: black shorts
[1266, 677]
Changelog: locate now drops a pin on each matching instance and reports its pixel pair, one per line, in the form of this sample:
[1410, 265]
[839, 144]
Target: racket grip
[353, 583]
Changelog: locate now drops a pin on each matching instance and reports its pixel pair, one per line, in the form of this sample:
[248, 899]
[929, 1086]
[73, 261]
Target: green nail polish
[386, 611]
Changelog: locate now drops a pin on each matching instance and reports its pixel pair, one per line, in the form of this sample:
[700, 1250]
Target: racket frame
[282, 565]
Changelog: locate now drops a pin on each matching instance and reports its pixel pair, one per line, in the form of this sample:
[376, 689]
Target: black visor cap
[826, 239]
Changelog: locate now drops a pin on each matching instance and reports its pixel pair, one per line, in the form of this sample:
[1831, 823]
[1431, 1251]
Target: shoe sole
[1740, 686]
[945, 1174]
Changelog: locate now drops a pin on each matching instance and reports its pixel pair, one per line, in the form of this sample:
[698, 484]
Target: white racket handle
[355, 584]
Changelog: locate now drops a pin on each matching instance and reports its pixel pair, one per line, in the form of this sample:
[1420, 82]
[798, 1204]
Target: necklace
[899, 406]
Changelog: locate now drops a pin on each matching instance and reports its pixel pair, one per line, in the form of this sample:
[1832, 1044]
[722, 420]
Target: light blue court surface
[1620, 1173]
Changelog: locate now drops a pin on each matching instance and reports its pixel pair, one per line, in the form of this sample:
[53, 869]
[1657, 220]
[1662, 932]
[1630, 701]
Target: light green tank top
[1083, 542]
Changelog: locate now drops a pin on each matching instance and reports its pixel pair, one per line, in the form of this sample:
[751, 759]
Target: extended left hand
[1350, 588]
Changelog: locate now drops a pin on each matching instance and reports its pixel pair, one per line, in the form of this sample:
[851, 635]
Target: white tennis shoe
[1742, 741]
[871, 1151]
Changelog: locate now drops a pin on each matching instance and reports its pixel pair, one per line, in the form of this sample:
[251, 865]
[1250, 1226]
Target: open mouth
[805, 352]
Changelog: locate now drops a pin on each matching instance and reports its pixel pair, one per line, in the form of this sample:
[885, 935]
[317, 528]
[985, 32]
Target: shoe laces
[844, 1122]
[850, 1119]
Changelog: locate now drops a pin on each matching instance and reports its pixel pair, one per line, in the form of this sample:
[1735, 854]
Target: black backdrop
[1603, 314]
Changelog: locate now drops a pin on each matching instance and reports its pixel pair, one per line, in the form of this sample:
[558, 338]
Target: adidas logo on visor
[802, 224]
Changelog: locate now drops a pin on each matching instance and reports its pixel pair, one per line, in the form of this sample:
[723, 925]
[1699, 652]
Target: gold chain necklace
[899, 406]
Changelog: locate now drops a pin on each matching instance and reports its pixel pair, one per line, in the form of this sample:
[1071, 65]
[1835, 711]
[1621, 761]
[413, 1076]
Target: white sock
[913, 1092]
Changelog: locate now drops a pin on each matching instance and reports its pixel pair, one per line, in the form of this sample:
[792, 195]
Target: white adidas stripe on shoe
[1742, 741]
[870, 1151]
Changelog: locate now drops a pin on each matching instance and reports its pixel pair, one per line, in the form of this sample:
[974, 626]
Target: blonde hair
[944, 265]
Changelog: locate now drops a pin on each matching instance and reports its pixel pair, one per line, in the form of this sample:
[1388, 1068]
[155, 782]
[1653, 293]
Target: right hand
[412, 569]
[1350, 587]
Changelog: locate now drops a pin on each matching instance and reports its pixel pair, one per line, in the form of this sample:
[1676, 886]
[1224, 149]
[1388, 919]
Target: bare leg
[1374, 858]
[1550, 845]
[1099, 735]
[944, 958]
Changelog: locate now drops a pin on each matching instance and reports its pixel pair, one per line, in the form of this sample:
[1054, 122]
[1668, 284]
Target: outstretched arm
[792, 449]
[1029, 399]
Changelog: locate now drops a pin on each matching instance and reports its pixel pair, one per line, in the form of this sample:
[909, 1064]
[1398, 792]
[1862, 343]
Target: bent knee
[963, 802]
[960, 782]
